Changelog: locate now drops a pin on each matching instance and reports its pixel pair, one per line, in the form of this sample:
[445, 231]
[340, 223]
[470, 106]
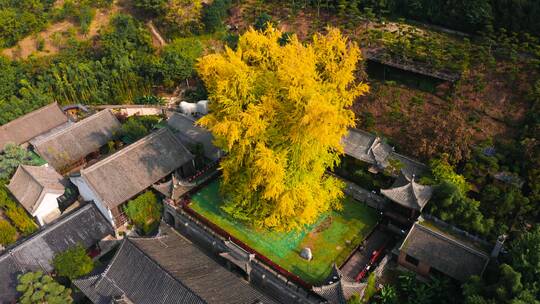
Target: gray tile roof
[167, 269]
[443, 251]
[190, 134]
[71, 144]
[407, 192]
[131, 170]
[31, 125]
[339, 288]
[133, 274]
[366, 147]
[8, 278]
[373, 150]
[85, 226]
[29, 184]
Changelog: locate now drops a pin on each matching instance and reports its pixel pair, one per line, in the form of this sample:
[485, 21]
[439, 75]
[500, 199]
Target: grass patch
[331, 238]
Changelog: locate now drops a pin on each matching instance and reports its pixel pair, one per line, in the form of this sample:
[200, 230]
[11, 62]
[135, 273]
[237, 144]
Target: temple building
[113, 181]
[37, 190]
[38, 122]
[69, 146]
[437, 248]
[167, 269]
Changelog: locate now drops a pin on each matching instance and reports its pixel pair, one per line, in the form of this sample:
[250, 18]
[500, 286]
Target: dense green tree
[144, 211]
[506, 286]
[73, 263]
[178, 60]
[153, 8]
[443, 171]
[450, 204]
[12, 157]
[133, 130]
[136, 127]
[214, 14]
[525, 255]
[37, 288]
[409, 290]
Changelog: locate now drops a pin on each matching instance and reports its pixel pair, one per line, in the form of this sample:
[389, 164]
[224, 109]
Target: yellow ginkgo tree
[280, 111]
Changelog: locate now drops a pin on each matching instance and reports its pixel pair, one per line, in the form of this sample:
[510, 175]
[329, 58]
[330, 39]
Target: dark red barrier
[261, 257]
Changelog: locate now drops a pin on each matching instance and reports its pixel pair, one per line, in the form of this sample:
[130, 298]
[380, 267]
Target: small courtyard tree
[73, 263]
[280, 112]
[11, 158]
[144, 212]
[35, 287]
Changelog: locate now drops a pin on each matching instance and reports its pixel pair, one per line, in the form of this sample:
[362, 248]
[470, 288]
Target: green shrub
[86, 14]
[40, 43]
[150, 99]
[214, 15]
[178, 60]
[8, 234]
[35, 287]
[136, 127]
[262, 22]
[18, 216]
[144, 212]
[73, 263]
[12, 157]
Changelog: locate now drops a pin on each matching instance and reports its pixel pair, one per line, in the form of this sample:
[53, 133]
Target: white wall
[141, 111]
[89, 195]
[48, 205]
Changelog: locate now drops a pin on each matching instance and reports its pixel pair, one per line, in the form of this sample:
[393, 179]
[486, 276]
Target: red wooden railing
[290, 276]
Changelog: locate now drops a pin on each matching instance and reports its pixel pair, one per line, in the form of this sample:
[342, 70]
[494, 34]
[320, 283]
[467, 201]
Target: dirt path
[157, 39]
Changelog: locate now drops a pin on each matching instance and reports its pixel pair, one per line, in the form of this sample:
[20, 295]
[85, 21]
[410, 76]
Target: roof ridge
[394, 153]
[73, 126]
[164, 270]
[138, 143]
[32, 176]
[183, 116]
[451, 239]
[36, 111]
[24, 168]
[104, 273]
[46, 231]
[413, 184]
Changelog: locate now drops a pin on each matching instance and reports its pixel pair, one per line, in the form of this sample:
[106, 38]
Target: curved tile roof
[444, 252]
[30, 183]
[407, 192]
[131, 170]
[167, 269]
[67, 146]
[26, 127]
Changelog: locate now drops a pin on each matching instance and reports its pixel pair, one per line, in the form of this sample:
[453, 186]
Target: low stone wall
[358, 193]
[260, 275]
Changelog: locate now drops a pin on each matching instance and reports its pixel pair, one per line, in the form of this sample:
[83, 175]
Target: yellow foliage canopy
[280, 111]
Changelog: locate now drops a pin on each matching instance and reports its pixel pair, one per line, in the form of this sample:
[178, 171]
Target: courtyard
[331, 239]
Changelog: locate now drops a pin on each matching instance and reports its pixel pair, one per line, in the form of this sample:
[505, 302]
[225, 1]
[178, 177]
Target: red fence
[292, 277]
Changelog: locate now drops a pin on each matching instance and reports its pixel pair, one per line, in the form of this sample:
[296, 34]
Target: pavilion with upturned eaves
[409, 194]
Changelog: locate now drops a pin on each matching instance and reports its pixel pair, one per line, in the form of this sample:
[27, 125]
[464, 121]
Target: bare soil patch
[54, 36]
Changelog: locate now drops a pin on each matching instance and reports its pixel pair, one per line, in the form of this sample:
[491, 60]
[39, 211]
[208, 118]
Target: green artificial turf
[331, 238]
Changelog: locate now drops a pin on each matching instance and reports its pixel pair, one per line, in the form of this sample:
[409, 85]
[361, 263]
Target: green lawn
[331, 239]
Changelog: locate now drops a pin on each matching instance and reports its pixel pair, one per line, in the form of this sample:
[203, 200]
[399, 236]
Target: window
[411, 260]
